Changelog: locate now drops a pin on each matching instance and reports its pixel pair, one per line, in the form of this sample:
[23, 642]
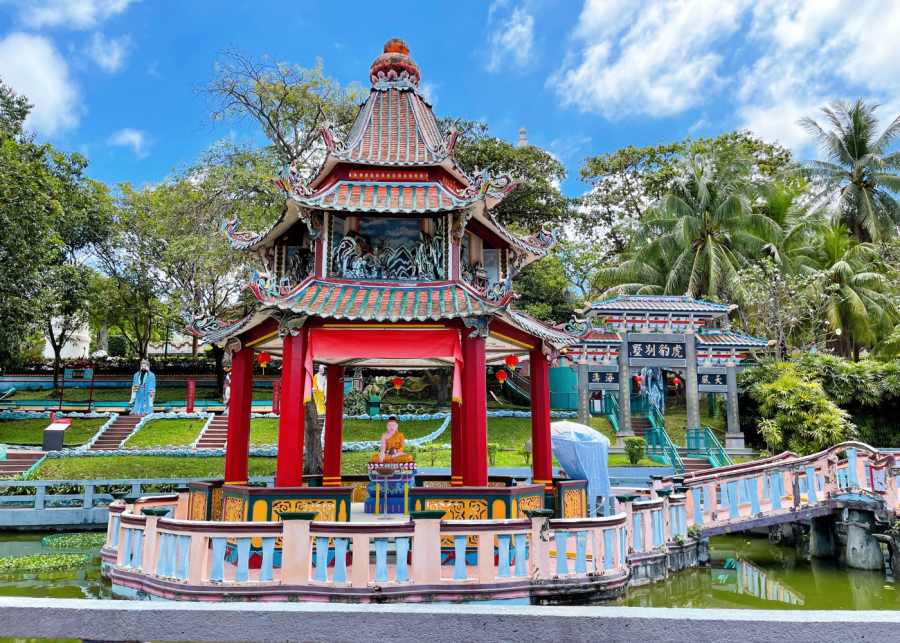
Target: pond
[746, 572]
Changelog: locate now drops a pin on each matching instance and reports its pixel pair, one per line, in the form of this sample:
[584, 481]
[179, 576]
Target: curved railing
[702, 442]
[660, 446]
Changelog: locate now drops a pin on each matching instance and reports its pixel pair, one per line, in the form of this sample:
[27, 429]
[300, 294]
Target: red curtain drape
[386, 344]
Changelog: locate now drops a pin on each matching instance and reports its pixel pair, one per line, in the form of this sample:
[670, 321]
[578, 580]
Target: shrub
[695, 531]
[118, 346]
[526, 455]
[635, 449]
[493, 449]
[429, 451]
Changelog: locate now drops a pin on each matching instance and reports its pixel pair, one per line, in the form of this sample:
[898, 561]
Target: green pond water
[746, 572]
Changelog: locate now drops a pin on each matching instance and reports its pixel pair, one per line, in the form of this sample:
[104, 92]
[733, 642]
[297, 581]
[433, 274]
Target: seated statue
[391, 451]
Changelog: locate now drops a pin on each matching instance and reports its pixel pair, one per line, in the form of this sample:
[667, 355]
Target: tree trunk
[57, 350]
[218, 355]
[855, 352]
[103, 338]
[195, 346]
[312, 440]
[440, 384]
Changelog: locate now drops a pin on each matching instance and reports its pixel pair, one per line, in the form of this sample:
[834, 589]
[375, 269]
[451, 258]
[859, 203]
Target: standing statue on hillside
[143, 390]
[654, 384]
[320, 387]
[226, 392]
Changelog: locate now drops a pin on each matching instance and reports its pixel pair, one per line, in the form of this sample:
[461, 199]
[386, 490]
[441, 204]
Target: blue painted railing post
[126, 548]
[754, 496]
[733, 508]
[503, 555]
[242, 574]
[775, 489]
[580, 552]
[381, 575]
[401, 573]
[217, 574]
[697, 496]
[268, 560]
[638, 532]
[184, 544]
[811, 485]
[852, 468]
[321, 575]
[562, 562]
[137, 548]
[608, 551]
[161, 555]
[459, 563]
[521, 541]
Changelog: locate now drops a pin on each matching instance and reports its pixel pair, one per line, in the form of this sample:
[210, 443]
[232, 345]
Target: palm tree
[861, 308]
[700, 235]
[783, 203]
[860, 172]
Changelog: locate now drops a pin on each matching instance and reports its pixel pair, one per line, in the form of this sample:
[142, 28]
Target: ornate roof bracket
[291, 325]
[291, 182]
[231, 229]
[313, 221]
[480, 325]
[232, 345]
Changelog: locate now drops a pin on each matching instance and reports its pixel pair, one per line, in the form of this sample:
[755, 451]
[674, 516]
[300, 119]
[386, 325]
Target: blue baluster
[732, 499]
[126, 548]
[268, 560]
[521, 541]
[115, 532]
[218, 560]
[161, 555]
[852, 470]
[581, 552]
[401, 573]
[775, 488]
[673, 519]
[137, 548]
[171, 553]
[562, 562]
[607, 549]
[697, 495]
[820, 484]
[184, 545]
[638, 532]
[811, 484]
[242, 574]
[754, 496]
[654, 529]
[340, 560]
[682, 517]
[459, 564]
[622, 544]
[381, 575]
[503, 555]
[767, 495]
[321, 575]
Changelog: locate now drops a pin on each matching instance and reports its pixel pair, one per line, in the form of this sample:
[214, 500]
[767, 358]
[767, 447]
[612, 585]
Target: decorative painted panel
[436, 483]
[216, 507]
[573, 505]
[198, 505]
[326, 508]
[234, 509]
[531, 502]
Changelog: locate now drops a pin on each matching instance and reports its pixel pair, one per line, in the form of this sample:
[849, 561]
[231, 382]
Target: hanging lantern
[397, 382]
[676, 381]
[501, 375]
[512, 361]
[638, 379]
[263, 359]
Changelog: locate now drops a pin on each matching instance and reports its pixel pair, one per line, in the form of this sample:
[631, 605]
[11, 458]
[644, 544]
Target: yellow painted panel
[498, 510]
[515, 509]
[260, 514]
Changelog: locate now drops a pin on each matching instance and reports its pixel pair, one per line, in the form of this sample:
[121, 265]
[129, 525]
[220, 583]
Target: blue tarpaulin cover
[582, 453]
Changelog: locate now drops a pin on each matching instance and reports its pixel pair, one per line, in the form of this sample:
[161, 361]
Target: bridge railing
[786, 483]
[335, 554]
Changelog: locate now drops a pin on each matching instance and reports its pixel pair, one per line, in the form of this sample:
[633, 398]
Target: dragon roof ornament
[481, 183]
[291, 182]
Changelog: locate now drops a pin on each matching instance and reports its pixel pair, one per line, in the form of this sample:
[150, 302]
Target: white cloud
[138, 140]
[109, 53]
[767, 61]
[32, 66]
[430, 91]
[512, 39]
[74, 14]
[653, 58]
[568, 146]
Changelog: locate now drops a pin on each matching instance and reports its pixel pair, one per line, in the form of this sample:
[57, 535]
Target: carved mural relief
[391, 249]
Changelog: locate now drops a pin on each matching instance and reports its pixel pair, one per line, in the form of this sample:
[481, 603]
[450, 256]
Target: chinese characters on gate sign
[656, 349]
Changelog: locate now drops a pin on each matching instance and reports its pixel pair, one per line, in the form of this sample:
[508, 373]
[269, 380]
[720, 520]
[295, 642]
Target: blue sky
[113, 78]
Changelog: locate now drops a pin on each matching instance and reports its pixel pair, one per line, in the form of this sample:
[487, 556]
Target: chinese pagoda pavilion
[388, 257]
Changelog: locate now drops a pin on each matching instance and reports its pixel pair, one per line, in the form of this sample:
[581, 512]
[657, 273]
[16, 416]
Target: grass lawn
[115, 468]
[32, 431]
[180, 432]
[123, 394]
[264, 431]
[676, 424]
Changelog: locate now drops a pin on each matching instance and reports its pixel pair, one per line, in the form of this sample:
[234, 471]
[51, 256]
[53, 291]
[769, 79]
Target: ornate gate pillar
[691, 387]
[734, 437]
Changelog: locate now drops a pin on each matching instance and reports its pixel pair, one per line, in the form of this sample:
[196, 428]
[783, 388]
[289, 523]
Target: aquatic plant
[45, 562]
[89, 540]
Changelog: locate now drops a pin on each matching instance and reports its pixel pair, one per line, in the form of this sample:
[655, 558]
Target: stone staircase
[216, 434]
[120, 429]
[695, 464]
[18, 461]
[640, 426]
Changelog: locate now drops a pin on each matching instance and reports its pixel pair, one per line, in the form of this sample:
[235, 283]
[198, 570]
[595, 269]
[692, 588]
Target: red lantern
[263, 359]
[638, 379]
[676, 381]
[397, 382]
[512, 361]
[501, 375]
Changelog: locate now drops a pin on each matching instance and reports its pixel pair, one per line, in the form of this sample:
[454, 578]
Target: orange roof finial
[394, 64]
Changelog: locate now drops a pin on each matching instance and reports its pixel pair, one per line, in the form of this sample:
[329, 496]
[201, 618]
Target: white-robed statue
[143, 390]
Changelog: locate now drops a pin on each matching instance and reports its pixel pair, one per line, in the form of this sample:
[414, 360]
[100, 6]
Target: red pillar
[237, 452]
[291, 423]
[456, 445]
[334, 426]
[474, 410]
[542, 456]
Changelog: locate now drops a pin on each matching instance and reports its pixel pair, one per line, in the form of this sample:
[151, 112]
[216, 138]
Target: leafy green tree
[536, 200]
[860, 173]
[626, 183]
[544, 292]
[861, 309]
[286, 101]
[704, 229]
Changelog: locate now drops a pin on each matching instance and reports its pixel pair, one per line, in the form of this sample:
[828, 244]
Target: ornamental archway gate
[672, 333]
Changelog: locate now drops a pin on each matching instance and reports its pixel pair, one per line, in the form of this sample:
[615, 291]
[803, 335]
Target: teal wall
[562, 392]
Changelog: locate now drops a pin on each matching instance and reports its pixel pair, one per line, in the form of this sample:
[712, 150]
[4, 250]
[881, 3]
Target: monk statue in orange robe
[391, 451]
